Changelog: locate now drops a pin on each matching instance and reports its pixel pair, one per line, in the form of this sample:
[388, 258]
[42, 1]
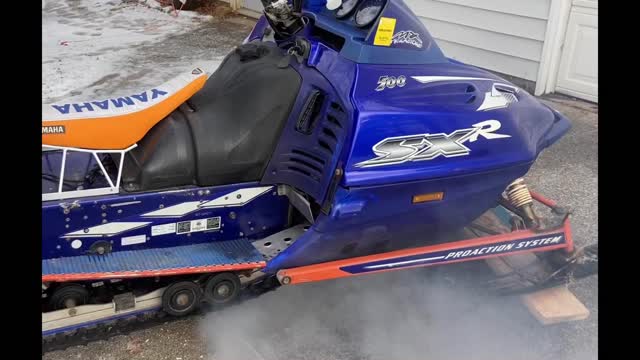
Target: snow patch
[86, 44]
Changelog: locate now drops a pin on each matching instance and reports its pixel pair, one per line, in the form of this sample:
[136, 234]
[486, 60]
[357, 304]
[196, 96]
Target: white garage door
[578, 72]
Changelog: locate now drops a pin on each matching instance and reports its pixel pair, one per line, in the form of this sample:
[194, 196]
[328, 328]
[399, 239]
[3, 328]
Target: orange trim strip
[568, 235]
[331, 270]
[542, 199]
[567, 226]
[121, 131]
[151, 273]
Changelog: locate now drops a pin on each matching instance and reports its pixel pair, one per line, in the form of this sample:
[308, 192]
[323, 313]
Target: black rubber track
[126, 325]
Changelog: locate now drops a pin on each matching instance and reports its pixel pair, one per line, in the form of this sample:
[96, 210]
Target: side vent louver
[456, 93]
[309, 115]
[307, 164]
[508, 92]
[337, 107]
[328, 132]
[334, 121]
[308, 156]
[315, 139]
[471, 90]
[332, 128]
[323, 126]
[323, 144]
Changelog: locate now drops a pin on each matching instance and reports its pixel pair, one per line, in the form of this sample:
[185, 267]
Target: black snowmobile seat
[227, 132]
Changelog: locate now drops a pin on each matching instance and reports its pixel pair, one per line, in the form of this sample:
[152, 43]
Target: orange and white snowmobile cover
[116, 123]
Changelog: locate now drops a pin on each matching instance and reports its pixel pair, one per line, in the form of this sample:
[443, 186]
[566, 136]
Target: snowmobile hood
[439, 120]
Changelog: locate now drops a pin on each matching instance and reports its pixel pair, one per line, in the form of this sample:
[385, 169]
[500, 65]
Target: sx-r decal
[400, 149]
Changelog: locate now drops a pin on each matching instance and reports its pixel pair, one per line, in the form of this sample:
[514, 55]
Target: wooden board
[549, 306]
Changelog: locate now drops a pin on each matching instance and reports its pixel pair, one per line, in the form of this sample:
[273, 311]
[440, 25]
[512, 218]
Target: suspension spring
[518, 193]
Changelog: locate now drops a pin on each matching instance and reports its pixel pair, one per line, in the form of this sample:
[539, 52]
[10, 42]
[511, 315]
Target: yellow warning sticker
[385, 31]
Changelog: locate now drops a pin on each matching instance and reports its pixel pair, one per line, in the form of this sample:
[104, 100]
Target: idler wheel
[68, 296]
[222, 288]
[181, 298]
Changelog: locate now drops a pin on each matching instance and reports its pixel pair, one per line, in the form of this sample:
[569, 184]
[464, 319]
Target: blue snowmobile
[337, 141]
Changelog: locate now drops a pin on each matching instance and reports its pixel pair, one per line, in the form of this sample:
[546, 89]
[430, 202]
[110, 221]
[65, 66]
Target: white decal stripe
[390, 265]
[493, 101]
[133, 240]
[175, 210]
[109, 229]
[235, 198]
[430, 79]
[125, 203]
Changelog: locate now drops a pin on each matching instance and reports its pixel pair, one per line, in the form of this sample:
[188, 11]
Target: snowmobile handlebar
[281, 4]
[285, 18]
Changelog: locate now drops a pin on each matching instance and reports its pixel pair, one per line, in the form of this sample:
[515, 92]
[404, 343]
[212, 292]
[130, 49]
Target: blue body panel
[308, 161]
[442, 107]
[369, 220]
[249, 221]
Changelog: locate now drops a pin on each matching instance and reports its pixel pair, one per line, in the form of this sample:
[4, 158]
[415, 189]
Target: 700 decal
[390, 82]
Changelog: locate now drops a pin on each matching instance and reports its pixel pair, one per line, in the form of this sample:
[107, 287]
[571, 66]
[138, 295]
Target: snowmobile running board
[458, 251]
[188, 259]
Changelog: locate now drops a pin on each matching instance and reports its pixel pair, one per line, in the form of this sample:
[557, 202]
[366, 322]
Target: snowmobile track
[136, 322]
[106, 330]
